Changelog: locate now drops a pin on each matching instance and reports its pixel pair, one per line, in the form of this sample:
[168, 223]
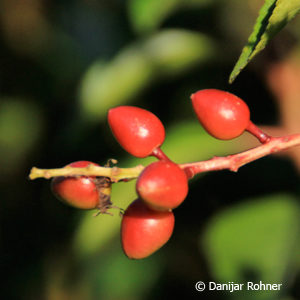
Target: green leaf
[168, 53]
[147, 15]
[21, 125]
[258, 238]
[273, 16]
[113, 276]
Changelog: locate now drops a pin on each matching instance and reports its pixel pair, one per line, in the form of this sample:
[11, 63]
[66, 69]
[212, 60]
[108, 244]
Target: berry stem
[159, 154]
[258, 133]
[115, 174]
[231, 162]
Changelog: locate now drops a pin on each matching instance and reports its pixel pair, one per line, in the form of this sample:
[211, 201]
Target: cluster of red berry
[148, 222]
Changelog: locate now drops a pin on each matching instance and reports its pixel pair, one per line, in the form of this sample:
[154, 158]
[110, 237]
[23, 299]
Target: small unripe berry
[77, 191]
[162, 185]
[144, 231]
[137, 130]
[224, 115]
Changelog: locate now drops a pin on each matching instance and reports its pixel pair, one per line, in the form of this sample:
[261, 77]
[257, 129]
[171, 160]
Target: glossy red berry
[144, 231]
[162, 185]
[80, 192]
[137, 130]
[224, 115]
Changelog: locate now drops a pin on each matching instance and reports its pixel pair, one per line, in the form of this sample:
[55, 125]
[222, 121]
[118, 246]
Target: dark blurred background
[63, 64]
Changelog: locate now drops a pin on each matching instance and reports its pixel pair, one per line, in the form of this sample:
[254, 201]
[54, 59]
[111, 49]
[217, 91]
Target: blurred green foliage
[63, 65]
[258, 239]
[166, 54]
[147, 15]
[21, 123]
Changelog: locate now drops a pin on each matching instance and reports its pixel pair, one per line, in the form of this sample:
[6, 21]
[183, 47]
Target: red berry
[137, 130]
[162, 185]
[224, 115]
[80, 192]
[144, 231]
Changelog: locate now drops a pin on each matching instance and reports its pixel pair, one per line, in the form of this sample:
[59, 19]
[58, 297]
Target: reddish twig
[234, 162]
